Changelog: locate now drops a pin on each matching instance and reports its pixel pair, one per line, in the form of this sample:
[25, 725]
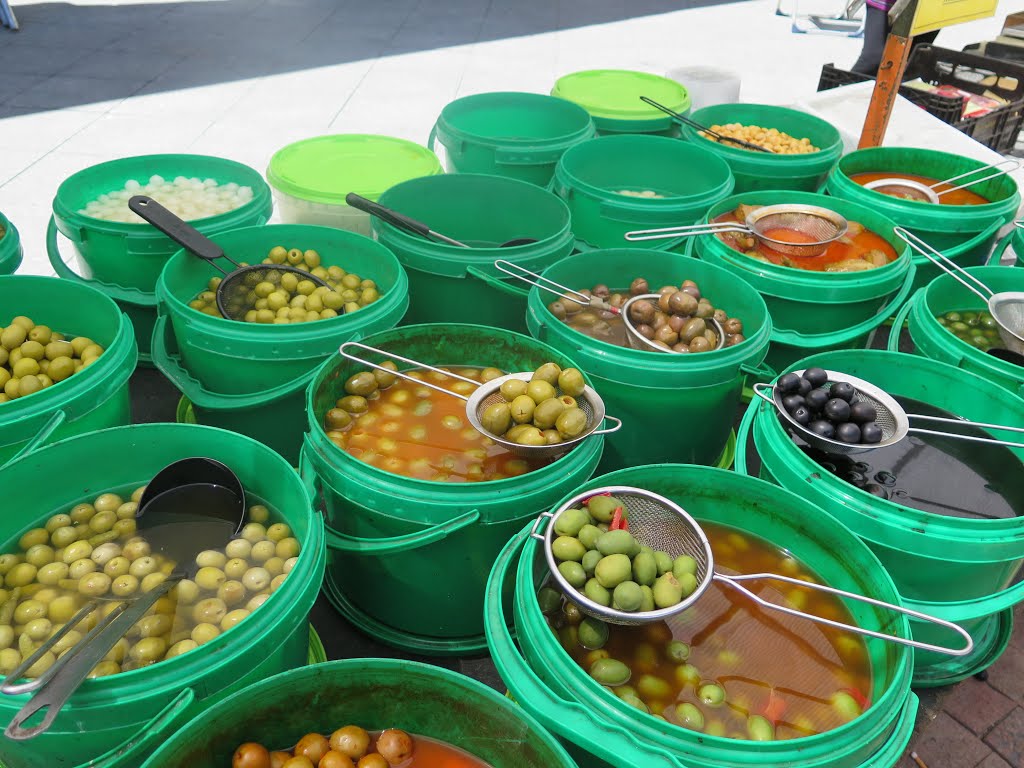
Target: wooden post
[890, 75]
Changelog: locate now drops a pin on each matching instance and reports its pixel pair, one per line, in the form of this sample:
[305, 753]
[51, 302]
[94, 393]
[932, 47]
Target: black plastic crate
[997, 130]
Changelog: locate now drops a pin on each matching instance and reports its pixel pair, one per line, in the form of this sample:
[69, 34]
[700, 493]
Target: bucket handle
[893, 345]
[194, 391]
[762, 371]
[141, 744]
[58, 418]
[116, 292]
[616, 743]
[795, 339]
[497, 283]
[996, 257]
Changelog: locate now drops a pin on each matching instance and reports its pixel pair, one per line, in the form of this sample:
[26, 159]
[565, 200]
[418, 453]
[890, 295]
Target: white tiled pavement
[91, 81]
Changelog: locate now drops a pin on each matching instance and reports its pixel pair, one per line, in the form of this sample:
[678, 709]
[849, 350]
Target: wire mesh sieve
[638, 341]
[660, 523]
[927, 193]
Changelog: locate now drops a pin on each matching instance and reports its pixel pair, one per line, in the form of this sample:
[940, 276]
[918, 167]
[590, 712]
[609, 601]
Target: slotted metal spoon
[638, 341]
[663, 525]
[891, 418]
[704, 129]
[1006, 307]
[235, 294]
[821, 224]
[561, 291]
[180, 522]
[488, 394]
[927, 193]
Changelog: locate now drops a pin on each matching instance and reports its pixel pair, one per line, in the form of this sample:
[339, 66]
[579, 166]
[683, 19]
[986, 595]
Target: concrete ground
[93, 81]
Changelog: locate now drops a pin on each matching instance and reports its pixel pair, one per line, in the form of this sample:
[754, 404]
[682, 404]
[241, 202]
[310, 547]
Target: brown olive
[712, 337]
[645, 330]
[639, 287]
[278, 759]
[335, 760]
[681, 347]
[312, 745]
[660, 319]
[251, 755]
[682, 303]
[298, 762]
[700, 344]
[660, 344]
[557, 308]
[733, 325]
[670, 289]
[705, 310]
[372, 761]
[395, 746]
[720, 315]
[734, 338]
[692, 290]
[641, 311]
[663, 304]
[337, 418]
[601, 290]
[617, 299]
[676, 322]
[692, 330]
[667, 335]
[351, 740]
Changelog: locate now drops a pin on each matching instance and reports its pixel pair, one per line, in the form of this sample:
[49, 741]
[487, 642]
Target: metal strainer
[893, 420]
[562, 292]
[821, 225]
[1006, 308]
[927, 193]
[663, 525]
[638, 341]
[236, 292]
[487, 394]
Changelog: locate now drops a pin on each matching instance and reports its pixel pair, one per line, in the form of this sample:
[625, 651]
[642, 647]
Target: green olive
[667, 591]
[238, 548]
[689, 716]
[125, 585]
[94, 584]
[29, 610]
[204, 633]
[211, 558]
[539, 390]
[573, 573]
[58, 521]
[547, 412]
[210, 610]
[496, 418]
[21, 575]
[254, 532]
[711, 695]
[354, 404]
[155, 625]
[39, 555]
[149, 649]
[627, 596]
[263, 551]
[235, 568]
[522, 409]
[82, 513]
[512, 389]
[548, 373]
[571, 423]
[570, 382]
[362, 384]
[181, 647]
[117, 566]
[232, 592]
[610, 672]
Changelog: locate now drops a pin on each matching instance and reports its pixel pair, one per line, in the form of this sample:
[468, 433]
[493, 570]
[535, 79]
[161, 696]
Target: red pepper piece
[775, 709]
[619, 521]
[862, 701]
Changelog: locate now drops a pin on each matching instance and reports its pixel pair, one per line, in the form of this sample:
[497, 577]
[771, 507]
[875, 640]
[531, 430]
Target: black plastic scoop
[402, 221]
[235, 295]
[1007, 355]
[178, 522]
[703, 128]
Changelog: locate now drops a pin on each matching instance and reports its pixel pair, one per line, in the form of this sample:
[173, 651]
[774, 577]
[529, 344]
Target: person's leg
[876, 29]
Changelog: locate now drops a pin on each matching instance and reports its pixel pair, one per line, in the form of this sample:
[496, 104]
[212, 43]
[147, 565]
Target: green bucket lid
[614, 94]
[326, 168]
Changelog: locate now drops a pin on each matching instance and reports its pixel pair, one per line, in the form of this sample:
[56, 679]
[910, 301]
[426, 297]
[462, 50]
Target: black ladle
[694, 124]
[1007, 355]
[178, 522]
[402, 221]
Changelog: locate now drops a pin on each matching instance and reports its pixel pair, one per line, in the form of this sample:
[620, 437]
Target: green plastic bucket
[375, 694]
[612, 97]
[815, 311]
[673, 407]
[962, 568]
[94, 398]
[519, 135]
[548, 684]
[132, 255]
[964, 233]
[756, 171]
[118, 720]
[233, 358]
[449, 284]
[310, 178]
[590, 176]
[409, 558]
[10, 248]
[945, 294]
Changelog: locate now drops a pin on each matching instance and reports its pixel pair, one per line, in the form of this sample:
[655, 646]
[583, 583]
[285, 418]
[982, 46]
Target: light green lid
[326, 168]
[614, 94]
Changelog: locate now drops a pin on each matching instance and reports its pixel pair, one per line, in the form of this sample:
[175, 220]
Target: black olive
[801, 415]
[862, 412]
[816, 376]
[823, 428]
[789, 383]
[816, 399]
[871, 433]
[856, 478]
[885, 478]
[862, 466]
[792, 402]
[876, 490]
[837, 411]
[843, 390]
[805, 387]
[848, 433]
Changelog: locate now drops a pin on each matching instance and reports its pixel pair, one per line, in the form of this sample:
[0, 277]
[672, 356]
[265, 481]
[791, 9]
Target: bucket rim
[446, 125]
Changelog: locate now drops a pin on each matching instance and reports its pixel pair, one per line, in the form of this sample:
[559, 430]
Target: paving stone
[993, 761]
[1007, 674]
[946, 744]
[977, 705]
[1007, 738]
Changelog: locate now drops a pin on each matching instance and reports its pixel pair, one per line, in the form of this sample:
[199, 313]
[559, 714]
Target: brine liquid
[430, 753]
[942, 475]
[781, 667]
[959, 197]
[415, 431]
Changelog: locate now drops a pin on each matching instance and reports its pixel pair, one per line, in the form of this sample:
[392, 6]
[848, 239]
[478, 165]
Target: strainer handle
[532, 278]
[1013, 166]
[760, 385]
[616, 428]
[734, 581]
[690, 230]
[343, 351]
[964, 423]
[11, 687]
[946, 264]
[535, 529]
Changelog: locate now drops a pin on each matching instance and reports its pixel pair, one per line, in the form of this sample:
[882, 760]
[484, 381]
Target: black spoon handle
[386, 214]
[697, 126]
[181, 232]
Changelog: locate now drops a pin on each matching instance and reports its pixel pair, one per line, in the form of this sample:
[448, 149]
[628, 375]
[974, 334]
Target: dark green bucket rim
[998, 630]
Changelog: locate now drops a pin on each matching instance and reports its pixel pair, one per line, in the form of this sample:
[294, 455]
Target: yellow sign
[936, 14]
